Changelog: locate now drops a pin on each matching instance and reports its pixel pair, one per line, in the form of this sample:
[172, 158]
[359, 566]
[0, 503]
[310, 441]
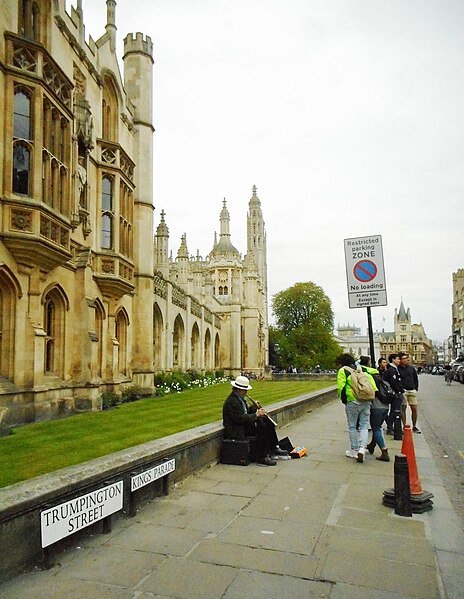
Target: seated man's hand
[261, 412]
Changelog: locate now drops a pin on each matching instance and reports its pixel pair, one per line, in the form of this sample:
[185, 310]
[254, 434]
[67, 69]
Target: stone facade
[457, 341]
[351, 341]
[407, 337]
[84, 307]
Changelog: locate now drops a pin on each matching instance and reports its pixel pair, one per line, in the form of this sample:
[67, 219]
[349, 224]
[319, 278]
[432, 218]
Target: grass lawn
[43, 447]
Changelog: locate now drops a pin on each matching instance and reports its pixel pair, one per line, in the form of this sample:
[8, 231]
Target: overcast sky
[346, 114]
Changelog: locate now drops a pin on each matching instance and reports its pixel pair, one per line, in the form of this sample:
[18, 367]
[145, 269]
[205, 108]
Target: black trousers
[395, 408]
[266, 437]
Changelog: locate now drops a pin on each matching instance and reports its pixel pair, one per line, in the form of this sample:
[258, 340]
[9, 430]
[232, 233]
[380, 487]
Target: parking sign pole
[371, 337]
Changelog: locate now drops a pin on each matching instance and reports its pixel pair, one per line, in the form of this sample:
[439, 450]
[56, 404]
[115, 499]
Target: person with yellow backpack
[356, 389]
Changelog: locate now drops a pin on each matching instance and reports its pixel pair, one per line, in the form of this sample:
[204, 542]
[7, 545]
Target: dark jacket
[392, 376]
[409, 378]
[237, 416]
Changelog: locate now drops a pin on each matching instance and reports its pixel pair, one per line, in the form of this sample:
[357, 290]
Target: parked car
[456, 370]
[459, 373]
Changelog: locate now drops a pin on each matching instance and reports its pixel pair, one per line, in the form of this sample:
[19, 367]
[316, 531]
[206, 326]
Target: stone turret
[162, 247]
[110, 26]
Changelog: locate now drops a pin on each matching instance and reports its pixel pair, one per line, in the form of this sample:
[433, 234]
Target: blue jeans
[377, 418]
[354, 410]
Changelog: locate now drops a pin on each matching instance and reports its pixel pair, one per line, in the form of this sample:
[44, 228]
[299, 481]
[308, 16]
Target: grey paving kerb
[313, 527]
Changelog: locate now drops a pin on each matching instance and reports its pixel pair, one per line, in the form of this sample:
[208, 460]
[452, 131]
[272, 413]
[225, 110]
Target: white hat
[241, 382]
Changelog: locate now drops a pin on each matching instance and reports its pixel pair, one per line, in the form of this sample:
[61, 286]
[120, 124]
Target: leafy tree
[304, 324]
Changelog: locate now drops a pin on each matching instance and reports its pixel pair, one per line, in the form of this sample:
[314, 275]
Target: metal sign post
[365, 276]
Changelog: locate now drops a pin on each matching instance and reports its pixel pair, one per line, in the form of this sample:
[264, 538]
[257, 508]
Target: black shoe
[266, 461]
[279, 452]
[416, 430]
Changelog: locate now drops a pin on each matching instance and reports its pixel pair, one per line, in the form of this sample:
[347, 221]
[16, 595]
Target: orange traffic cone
[407, 448]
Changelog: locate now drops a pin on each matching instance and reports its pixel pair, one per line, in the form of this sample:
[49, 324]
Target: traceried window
[54, 306]
[55, 170]
[109, 111]
[107, 213]
[29, 20]
[121, 334]
[126, 211]
[22, 145]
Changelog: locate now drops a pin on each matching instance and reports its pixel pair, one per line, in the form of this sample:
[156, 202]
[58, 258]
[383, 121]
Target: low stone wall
[21, 504]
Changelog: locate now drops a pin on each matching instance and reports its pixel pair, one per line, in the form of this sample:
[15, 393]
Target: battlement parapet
[139, 44]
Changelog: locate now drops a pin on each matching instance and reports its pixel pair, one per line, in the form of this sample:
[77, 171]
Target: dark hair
[402, 354]
[391, 357]
[345, 360]
[381, 359]
[364, 360]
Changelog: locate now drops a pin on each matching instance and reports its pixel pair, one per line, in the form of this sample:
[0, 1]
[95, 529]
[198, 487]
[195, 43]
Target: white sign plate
[149, 476]
[65, 519]
[365, 273]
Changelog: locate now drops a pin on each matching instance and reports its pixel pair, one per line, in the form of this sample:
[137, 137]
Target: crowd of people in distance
[394, 386]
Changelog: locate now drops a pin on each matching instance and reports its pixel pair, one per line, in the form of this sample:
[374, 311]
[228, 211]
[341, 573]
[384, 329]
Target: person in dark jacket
[379, 412]
[410, 383]
[392, 376]
[240, 419]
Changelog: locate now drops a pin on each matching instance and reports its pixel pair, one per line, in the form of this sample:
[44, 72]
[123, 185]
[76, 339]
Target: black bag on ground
[236, 452]
[286, 444]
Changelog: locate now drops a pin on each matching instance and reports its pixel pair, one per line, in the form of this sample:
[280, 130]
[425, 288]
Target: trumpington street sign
[365, 273]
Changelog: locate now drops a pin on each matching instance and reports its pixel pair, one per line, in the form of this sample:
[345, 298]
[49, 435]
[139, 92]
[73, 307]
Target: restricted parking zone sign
[365, 273]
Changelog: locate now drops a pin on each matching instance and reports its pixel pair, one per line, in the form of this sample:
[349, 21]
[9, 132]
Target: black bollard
[402, 489]
[397, 427]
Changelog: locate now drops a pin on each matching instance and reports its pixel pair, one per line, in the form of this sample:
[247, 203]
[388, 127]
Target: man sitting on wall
[240, 419]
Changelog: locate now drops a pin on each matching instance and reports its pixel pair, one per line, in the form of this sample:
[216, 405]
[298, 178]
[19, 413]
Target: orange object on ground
[407, 448]
[298, 452]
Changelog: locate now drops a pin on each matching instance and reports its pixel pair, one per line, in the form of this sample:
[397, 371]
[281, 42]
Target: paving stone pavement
[313, 527]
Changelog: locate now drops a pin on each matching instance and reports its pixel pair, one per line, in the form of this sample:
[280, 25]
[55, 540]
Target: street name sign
[62, 520]
[365, 273]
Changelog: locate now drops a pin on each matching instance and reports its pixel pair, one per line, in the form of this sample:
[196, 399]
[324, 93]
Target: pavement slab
[189, 579]
[254, 558]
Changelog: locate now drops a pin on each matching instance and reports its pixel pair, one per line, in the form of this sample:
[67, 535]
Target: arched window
[207, 350]
[158, 327]
[121, 334]
[55, 305]
[9, 292]
[22, 114]
[22, 134]
[21, 167]
[109, 110]
[216, 352]
[29, 20]
[195, 347]
[178, 341]
[99, 319]
[107, 213]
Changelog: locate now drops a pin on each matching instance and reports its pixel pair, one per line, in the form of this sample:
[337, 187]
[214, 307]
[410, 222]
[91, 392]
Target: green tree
[304, 324]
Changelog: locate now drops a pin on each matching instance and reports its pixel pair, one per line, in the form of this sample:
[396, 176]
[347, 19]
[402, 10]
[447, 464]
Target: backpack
[360, 384]
[386, 393]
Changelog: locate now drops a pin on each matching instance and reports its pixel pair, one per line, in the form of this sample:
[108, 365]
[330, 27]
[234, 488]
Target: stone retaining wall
[22, 503]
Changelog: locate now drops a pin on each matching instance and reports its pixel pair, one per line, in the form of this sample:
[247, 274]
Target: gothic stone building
[407, 337]
[84, 307]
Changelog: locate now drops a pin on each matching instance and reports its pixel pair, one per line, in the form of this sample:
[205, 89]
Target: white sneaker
[360, 455]
[351, 453]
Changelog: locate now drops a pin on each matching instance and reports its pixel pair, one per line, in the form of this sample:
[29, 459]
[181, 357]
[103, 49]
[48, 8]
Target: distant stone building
[350, 339]
[407, 337]
[89, 298]
[458, 315]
